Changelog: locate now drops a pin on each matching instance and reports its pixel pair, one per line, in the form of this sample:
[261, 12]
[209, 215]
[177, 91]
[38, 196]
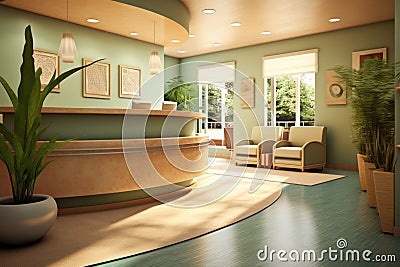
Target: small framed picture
[358, 57]
[48, 62]
[129, 82]
[96, 79]
[247, 93]
[335, 89]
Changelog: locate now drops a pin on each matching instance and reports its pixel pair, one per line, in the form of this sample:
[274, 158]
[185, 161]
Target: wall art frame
[335, 89]
[96, 79]
[247, 92]
[129, 82]
[358, 57]
[49, 62]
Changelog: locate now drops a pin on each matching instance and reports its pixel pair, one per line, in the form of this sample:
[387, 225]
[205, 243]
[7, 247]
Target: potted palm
[26, 216]
[372, 99]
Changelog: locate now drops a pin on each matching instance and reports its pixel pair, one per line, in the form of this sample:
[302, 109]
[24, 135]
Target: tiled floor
[302, 219]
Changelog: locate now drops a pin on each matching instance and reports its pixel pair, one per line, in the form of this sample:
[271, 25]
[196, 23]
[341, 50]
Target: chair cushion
[292, 152]
[246, 150]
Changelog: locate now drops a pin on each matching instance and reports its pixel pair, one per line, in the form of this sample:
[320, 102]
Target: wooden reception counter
[155, 152]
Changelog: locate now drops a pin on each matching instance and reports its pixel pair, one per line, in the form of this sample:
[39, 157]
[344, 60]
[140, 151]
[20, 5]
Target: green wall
[91, 44]
[335, 48]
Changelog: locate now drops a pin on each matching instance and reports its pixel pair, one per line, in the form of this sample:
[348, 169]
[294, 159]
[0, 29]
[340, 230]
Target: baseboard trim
[397, 231]
[341, 167]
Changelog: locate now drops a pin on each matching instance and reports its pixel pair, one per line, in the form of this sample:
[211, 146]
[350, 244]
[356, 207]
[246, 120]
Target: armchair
[305, 149]
[263, 138]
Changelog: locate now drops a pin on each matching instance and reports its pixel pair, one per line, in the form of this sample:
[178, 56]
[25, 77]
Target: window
[216, 98]
[289, 83]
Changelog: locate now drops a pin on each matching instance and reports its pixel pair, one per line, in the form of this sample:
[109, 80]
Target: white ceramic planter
[26, 223]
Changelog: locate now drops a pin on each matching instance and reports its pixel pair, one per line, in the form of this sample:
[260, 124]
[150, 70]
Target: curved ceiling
[284, 19]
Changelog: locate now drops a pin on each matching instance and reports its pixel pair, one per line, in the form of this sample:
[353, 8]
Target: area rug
[308, 178]
[83, 239]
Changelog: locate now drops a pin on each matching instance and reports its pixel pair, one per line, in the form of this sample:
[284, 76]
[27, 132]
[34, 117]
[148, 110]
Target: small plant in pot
[26, 217]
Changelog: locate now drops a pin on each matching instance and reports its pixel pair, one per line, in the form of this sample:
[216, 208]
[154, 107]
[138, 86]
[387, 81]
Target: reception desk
[125, 155]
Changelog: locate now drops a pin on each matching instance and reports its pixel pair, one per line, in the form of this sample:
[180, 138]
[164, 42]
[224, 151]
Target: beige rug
[228, 167]
[83, 239]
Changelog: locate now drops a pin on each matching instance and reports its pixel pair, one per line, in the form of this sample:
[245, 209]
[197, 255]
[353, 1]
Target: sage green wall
[171, 69]
[91, 44]
[397, 110]
[335, 48]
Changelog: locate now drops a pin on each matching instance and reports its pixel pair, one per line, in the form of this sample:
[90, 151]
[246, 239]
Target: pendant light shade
[67, 49]
[154, 63]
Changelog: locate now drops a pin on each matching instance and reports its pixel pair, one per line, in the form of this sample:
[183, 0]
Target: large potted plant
[26, 217]
[372, 101]
[180, 92]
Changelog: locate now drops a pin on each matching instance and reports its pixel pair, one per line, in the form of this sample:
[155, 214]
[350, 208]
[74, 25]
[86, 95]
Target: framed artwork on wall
[358, 57]
[96, 79]
[335, 89]
[48, 62]
[247, 93]
[129, 82]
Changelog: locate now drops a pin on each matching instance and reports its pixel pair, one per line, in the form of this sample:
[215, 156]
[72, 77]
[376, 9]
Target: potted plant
[372, 101]
[180, 92]
[26, 216]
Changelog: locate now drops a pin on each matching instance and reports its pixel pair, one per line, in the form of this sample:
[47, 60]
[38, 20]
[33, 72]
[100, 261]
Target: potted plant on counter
[180, 92]
[26, 217]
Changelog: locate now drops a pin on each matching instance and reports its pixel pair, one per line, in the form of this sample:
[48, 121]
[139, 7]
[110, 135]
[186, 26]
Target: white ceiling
[285, 19]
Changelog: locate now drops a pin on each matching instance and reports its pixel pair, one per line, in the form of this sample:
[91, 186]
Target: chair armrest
[281, 143]
[244, 142]
[314, 153]
[266, 146]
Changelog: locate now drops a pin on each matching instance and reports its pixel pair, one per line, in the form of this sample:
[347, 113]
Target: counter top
[113, 111]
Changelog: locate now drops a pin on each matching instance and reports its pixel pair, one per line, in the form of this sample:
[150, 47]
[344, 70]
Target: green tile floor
[303, 218]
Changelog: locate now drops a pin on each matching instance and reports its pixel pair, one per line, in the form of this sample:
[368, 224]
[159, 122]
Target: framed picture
[247, 93]
[358, 57]
[96, 80]
[335, 89]
[49, 62]
[129, 82]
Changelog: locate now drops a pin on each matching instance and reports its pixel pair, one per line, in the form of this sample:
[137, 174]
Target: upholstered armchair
[262, 139]
[305, 149]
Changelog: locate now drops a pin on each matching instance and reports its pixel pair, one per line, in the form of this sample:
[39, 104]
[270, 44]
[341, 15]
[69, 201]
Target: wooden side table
[265, 160]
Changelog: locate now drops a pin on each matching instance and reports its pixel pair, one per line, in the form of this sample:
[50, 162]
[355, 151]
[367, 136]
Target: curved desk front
[157, 152]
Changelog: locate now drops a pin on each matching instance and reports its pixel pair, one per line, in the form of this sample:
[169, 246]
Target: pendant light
[67, 49]
[154, 61]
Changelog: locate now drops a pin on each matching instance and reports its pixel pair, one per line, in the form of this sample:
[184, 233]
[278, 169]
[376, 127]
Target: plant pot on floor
[22, 224]
[369, 168]
[361, 171]
[384, 190]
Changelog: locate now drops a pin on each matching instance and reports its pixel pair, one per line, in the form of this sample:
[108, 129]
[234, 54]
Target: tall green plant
[372, 100]
[180, 92]
[19, 149]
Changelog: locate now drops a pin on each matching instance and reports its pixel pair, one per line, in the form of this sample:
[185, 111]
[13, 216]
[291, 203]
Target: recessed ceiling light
[265, 32]
[92, 20]
[192, 35]
[208, 11]
[175, 41]
[182, 51]
[236, 24]
[134, 34]
[333, 20]
[216, 44]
